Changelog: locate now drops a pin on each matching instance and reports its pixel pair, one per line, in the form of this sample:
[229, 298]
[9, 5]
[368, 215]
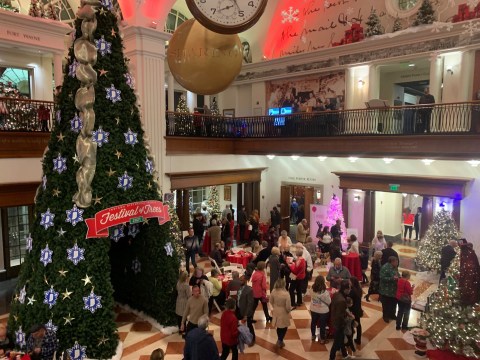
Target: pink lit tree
[335, 213]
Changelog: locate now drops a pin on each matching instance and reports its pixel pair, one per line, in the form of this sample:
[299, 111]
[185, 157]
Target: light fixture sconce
[361, 83]
[356, 198]
[449, 70]
[295, 157]
[271, 157]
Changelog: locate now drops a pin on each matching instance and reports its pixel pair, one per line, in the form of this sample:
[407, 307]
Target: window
[406, 4]
[63, 9]
[18, 225]
[402, 8]
[14, 82]
[199, 195]
[174, 20]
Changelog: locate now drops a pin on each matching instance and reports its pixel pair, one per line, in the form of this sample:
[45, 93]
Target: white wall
[20, 170]
[388, 212]
[244, 100]
[356, 212]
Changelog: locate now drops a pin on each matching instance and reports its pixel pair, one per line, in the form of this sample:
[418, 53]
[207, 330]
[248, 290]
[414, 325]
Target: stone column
[171, 92]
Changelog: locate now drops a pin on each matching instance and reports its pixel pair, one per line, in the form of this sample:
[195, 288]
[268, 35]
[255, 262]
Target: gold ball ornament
[203, 61]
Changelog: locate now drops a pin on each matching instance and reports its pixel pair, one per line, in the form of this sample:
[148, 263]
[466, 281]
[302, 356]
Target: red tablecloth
[352, 263]
[224, 281]
[207, 244]
[241, 257]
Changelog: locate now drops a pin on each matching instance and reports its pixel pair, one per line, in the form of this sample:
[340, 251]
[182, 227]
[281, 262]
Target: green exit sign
[136, 220]
[394, 187]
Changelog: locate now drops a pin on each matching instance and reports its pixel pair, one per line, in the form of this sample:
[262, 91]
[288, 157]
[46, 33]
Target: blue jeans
[403, 314]
[322, 319]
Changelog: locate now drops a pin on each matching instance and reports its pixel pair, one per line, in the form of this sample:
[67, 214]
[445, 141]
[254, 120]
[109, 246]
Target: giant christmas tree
[439, 233]
[213, 202]
[97, 159]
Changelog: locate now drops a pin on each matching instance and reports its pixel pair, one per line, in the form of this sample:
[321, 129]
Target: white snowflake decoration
[51, 326]
[472, 3]
[29, 243]
[290, 15]
[108, 4]
[133, 230]
[130, 80]
[77, 352]
[131, 138]
[136, 266]
[20, 337]
[58, 116]
[149, 166]
[117, 233]
[471, 28]
[448, 26]
[46, 256]
[125, 181]
[59, 164]
[169, 249]
[437, 26]
[103, 46]
[51, 297]
[23, 294]
[72, 68]
[75, 254]
[74, 215]
[44, 182]
[76, 124]
[92, 302]
[47, 219]
[113, 94]
[100, 136]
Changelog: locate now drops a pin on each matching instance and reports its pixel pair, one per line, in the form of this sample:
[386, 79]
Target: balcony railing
[450, 118]
[26, 115]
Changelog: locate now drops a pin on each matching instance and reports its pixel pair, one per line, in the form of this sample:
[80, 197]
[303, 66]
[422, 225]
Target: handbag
[405, 298]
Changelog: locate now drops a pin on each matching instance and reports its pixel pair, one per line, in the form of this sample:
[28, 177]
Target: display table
[352, 263]
[242, 257]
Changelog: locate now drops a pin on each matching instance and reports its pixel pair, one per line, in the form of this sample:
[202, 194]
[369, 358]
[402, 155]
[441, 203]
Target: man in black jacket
[386, 253]
[245, 308]
[242, 223]
[448, 254]
[199, 343]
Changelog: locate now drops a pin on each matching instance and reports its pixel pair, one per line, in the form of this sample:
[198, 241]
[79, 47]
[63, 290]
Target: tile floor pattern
[379, 340]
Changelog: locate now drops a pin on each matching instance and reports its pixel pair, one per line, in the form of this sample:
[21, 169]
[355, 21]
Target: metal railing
[450, 118]
[26, 115]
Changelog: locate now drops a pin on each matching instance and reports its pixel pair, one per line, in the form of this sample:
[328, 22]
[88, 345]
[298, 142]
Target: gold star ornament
[60, 137]
[102, 340]
[98, 200]
[118, 154]
[114, 34]
[75, 159]
[117, 119]
[66, 294]
[111, 172]
[31, 300]
[68, 319]
[103, 72]
[56, 192]
[63, 272]
[86, 280]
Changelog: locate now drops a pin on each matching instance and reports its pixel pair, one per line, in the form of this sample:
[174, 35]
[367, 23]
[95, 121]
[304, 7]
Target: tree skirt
[445, 355]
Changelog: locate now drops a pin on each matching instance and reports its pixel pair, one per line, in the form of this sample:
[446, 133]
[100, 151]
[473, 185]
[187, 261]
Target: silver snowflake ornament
[169, 248]
[22, 295]
[60, 164]
[131, 138]
[149, 166]
[77, 352]
[290, 15]
[76, 124]
[20, 337]
[58, 116]
[136, 266]
[50, 298]
[51, 326]
[103, 46]
[125, 182]
[113, 94]
[92, 302]
[100, 136]
[47, 219]
[29, 243]
[75, 254]
[117, 233]
[46, 256]
[133, 230]
[72, 68]
[74, 215]
[130, 80]
[44, 182]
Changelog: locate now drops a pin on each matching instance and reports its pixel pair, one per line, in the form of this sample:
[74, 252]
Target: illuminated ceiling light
[404, 194]
[411, 65]
[474, 163]
[271, 157]
[322, 158]
[415, 195]
[427, 161]
[352, 159]
[295, 157]
[361, 83]
[388, 160]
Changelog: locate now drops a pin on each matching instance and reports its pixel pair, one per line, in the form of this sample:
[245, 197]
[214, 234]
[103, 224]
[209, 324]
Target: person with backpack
[190, 246]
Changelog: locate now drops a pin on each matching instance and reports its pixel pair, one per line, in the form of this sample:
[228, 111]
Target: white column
[58, 69]
[466, 71]
[145, 47]
[206, 100]
[171, 92]
[373, 83]
[191, 100]
[436, 79]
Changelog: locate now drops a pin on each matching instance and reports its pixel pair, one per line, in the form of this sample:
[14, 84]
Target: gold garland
[86, 54]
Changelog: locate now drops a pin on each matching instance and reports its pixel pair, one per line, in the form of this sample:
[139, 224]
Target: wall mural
[303, 26]
[312, 93]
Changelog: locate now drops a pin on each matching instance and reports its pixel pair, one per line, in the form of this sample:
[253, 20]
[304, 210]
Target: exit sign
[394, 187]
[136, 220]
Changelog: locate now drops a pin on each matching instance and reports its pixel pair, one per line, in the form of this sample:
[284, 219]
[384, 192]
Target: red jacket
[298, 268]
[403, 287]
[259, 284]
[229, 328]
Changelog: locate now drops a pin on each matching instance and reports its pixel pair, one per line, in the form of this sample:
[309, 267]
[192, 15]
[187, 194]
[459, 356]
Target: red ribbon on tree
[98, 226]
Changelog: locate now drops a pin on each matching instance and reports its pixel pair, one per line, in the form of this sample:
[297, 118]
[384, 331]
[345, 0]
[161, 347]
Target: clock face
[227, 16]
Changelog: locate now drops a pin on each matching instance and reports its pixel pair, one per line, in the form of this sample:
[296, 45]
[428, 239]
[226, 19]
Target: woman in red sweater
[259, 288]
[408, 219]
[229, 330]
[298, 271]
[404, 292]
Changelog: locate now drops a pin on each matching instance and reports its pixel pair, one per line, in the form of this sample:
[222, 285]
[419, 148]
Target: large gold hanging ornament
[203, 61]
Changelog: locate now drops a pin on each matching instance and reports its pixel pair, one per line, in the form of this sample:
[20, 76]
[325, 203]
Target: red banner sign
[121, 214]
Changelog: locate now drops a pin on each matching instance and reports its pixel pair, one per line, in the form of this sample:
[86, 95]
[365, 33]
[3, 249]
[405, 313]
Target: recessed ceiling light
[271, 157]
[474, 163]
[411, 65]
[388, 160]
[404, 194]
[415, 195]
[295, 157]
[322, 158]
[352, 159]
[427, 161]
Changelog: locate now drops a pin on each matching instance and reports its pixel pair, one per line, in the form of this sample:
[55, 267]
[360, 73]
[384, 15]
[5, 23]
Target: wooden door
[308, 201]
[285, 195]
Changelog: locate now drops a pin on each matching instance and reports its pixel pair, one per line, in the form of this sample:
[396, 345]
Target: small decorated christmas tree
[397, 25]
[36, 9]
[374, 27]
[425, 14]
[184, 124]
[214, 110]
[439, 233]
[335, 213]
[213, 201]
